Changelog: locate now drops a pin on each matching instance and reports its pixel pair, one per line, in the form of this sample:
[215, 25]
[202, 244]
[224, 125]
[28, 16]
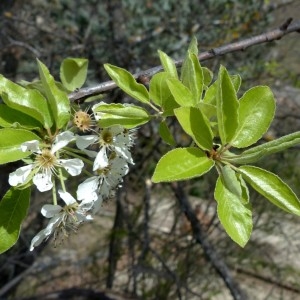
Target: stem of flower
[54, 196]
[60, 175]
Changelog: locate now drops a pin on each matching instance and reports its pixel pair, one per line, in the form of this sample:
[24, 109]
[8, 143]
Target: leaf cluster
[224, 129]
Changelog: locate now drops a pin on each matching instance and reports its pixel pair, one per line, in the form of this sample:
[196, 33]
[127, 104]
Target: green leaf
[245, 190]
[256, 112]
[73, 72]
[227, 107]
[192, 76]
[193, 46]
[208, 110]
[230, 181]
[196, 125]
[28, 101]
[207, 77]
[127, 83]
[182, 164]
[234, 183]
[127, 115]
[160, 93]
[168, 64]
[165, 133]
[180, 92]
[13, 210]
[10, 117]
[10, 142]
[58, 99]
[271, 187]
[234, 215]
[211, 93]
[255, 153]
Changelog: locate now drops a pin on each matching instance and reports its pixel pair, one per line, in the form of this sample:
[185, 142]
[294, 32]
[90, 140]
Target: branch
[276, 34]
[210, 253]
[114, 244]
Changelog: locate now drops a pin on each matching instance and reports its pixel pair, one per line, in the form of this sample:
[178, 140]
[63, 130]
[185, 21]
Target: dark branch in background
[115, 243]
[273, 35]
[201, 238]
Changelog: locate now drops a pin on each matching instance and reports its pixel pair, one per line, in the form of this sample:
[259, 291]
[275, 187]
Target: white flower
[45, 163]
[114, 139]
[62, 219]
[108, 179]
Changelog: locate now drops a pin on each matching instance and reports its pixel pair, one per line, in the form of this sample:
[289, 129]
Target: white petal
[89, 217]
[123, 151]
[32, 146]
[101, 160]
[105, 189]
[67, 197]
[20, 175]
[45, 233]
[83, 141]
[85, 206]
[90, 153]
[73, 166]
[50, 210]
[38, 239]
[87, 190]
[53, 223]
[116, 130]
[43, 181]
[98, 204]
[62, 140]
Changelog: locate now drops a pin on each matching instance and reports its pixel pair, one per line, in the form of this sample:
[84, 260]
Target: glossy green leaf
[207, 77]
[234, 215]
[256, 112]
[58, 99]
[129, 116]
[230, 181]
[165, 133]
[10, 117]
[193, 46]
[160, 93]
[182, 95]
[210, 94]
[13, 210]
[271, 187]
[196, 125]
[227, 107]
[255, 153]
[127, 83]
[245, 191]
[168, 64]
[208, 110]
[73, 72]
[182, 164]
[10, 142]
[28, 101]
[192, 76]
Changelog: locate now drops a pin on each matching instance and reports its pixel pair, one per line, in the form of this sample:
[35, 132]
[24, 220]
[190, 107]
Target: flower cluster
[104, 155]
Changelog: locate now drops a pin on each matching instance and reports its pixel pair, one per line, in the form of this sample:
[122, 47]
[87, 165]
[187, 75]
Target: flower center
[46, 159]
[83, 120]
[106, 136]
[104, 171]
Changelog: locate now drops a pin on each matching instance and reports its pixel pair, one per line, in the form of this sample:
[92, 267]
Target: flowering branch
[144, 76]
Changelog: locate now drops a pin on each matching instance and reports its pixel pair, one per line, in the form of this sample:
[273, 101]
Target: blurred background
[140, 246]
